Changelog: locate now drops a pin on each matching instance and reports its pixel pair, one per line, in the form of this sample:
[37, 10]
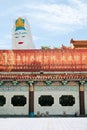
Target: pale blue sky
[52, 22]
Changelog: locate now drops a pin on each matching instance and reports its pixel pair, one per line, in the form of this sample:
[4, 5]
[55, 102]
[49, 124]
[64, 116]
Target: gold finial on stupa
[19, 22]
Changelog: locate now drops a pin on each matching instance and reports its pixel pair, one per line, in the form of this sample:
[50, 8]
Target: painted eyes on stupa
[18, 36]
[22, 34]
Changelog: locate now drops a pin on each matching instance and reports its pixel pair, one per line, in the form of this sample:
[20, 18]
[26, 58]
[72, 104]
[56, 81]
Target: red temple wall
[49, 60]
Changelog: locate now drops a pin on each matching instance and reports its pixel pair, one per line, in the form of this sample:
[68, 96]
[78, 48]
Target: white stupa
[21, 35]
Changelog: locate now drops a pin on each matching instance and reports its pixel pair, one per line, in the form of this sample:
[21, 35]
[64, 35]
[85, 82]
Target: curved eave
[43, 77]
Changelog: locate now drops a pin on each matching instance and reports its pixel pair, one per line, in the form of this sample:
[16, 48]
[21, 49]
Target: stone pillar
[81, 99]
[31, 100]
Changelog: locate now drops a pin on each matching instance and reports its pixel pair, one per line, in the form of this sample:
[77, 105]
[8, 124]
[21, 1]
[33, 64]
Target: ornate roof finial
[19, 24]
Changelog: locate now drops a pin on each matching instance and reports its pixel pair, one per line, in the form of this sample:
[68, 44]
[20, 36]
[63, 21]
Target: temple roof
[42, 77]
[79, 43]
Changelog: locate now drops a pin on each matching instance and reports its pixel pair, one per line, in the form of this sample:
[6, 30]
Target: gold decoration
[81, 87]
[31, 88]
[8, 60]
[19, 22]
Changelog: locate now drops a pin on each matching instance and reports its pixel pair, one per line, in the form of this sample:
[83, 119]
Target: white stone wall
[56, 92]
[8, 108]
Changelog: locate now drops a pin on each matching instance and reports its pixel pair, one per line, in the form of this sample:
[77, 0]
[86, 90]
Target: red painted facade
[43, 60]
